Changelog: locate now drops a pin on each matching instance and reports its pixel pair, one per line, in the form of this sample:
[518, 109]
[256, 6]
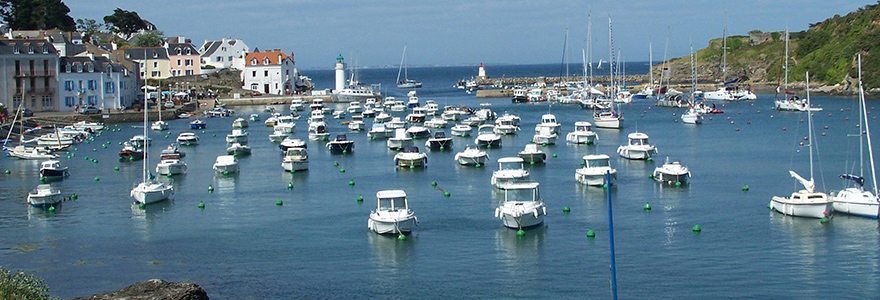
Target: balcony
[36, 73]
[35, 91]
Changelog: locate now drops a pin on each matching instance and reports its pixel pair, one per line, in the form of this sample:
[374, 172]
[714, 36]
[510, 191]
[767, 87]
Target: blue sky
[457, 32]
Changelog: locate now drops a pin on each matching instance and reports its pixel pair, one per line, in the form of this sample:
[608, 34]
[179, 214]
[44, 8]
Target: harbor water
[242, 245]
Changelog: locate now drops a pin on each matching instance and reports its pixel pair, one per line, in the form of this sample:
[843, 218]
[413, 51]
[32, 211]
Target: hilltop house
[152, 62]
[183, 57]
[95, 81]
[29, 69]
[224, 53]
[270, 72]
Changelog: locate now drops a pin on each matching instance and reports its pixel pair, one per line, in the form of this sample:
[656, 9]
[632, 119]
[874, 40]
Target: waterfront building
[271, 72]
[30, 64]
[95, 81]
[152, 62]
[184, 59]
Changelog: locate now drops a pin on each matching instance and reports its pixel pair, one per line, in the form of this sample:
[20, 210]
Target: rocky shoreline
[154, 289]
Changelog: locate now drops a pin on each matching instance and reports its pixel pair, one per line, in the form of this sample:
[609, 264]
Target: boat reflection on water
[42, 214]
[144, 216]
[518, 254]
[225, 183]
[298, 178]
[389, 253]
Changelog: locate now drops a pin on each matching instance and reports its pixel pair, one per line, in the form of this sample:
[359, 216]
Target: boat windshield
[398, 203]
[582, 128]
[594, 163]
[638, 142]
[521, 195]
[511, 165]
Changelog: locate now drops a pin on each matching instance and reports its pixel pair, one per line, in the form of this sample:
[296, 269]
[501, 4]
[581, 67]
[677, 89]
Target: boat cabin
[510, 163]
[521, 192]
[391, 200]
[638, 138]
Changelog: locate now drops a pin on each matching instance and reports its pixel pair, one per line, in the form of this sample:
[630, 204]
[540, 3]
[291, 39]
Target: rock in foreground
[154, 289]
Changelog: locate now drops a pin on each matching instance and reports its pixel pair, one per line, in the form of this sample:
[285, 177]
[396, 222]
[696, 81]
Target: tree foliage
[36, 14]
[124, 22]
[88, 27]
[22, 286]
[152, 38]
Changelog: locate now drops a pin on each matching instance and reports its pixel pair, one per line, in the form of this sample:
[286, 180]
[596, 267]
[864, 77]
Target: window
[47, 101]
[155, 64]
[155, 55]
[188, 62]
[33, 101]
[69, 101]
[218, 58]
[266, 61]
[45, 67]
[45, 49]
[16, 50]
[255, 74]
[189, 72]
[142, 65]
[178, 62]
[16, 101]
[68, 85]
[223, 49]
[155, 74]
[188, 51]
[31, 51]
[91, 68]
[254, 86]
[93, 100]
[254, 62]
[266, 73]
[178, 51]
[109, 88]
[229, 58]
[79, 68]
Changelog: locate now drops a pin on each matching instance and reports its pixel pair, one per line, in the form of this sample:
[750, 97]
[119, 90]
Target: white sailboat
[725, 93]
[149, 190]
[855, 200]
[790, 101]
[807, 202]
[609, 118]
[406, 83]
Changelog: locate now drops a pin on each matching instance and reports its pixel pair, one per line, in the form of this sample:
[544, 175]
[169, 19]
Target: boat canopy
[857, 179]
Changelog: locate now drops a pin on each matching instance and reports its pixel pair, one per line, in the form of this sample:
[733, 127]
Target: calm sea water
[317, 245]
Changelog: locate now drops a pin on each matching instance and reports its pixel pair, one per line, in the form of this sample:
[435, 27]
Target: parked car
[89, 110]
[27, 112]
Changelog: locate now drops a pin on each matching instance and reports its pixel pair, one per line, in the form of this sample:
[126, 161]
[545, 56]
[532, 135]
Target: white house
[95, 81]
[224, 53]
[270, 72]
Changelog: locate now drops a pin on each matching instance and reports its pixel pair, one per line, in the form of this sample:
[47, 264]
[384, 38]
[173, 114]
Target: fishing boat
[461, 130]
[548, 121]
[506, 125]
[237, 149]
[411, 157]
[240, 123]
[405, 83]
[340, 144]
[637, 148]
[522, 206]
[672, 172]
[439, 141]
[392, 214]
[583, 134]
[290, 142]
[285, 124]
[807, 202]
[172, 151]
[149, 190]
[395, 123]
[53, 169]
[487, 138]
[237, 136]
[296, 104]
[318, 131]
[225, 164]
[399, 140]
[378, 131]
[594, 168]
[472, 156]
[510, 170]
[417, 115]
[295, 159]
[545, 136]
[187, 139]
[436, 122]
[44, 195]
[418, 132]
[855, 199]
[382, 117]
[532, 155]
[130, 152]
[171, 166]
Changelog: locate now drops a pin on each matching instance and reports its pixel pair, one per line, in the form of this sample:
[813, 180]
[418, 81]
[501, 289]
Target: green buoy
[446, 194]
[401, 237]
[51, 209]
[97, 179]
[116, 168]
[73, 197]
[225, 173]
[360, 198]
[554, 155]
[591, 233]
[342, 170]
[279, 202]
[566, 209]
[651, 176]
[745, 188]
[335, 164]
[8, 172]
[201, 205]
[477, 165]
[520, 232]
[290, 185]
[142, 205]
[210, 188]
[647, 206]
[824, 220]
[677, 183]
[433, 183]
[697, 228]
[351, 182]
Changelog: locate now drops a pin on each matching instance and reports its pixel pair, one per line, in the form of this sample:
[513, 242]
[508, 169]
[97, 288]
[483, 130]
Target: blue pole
[611, 237]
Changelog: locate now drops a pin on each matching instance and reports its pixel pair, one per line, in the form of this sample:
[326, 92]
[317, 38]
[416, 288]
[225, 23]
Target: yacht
[522, 206]
[382, 117]
[672, 172]
[548, 121]
[471, 156]
[296, 104]
[237, 149]
[290, 142]
[532, 155]
[295, 159]
[285, 124]
[237, 136]
[226, 164]
[510, 170]
[594, 170]
[637, 148]
[411, 157]
[399, 140]
[545, 136]
[505, 126]
[53, 169]
[461, 130]
[354, 108]
[378, 131]
[418, 132]
[44, 195]
[692, 116]
[395, 123]
[439, 141]
[392, 214]
[239, 123]
[417, 115]
[318, 131]
[582, 134]
[487, 138]
[187, 139]
[171, 166]
[340, 144]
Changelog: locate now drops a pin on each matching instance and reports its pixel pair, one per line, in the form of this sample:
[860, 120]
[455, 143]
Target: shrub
[22, 286]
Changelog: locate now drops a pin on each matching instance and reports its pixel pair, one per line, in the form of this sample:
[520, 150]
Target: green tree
[88, 27]
[124, 22]
[36, 14]
[22, 286]
[152, 38]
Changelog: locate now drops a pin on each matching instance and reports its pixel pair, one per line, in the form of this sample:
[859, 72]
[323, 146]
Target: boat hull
[290, 165]
[592, 179]
[44, 200]
[147, 193]
[853, 201]
[171, 169]
[577, 138]
[226, 168]
[518, 215]
[635, 154]
[383, 226]
[808, 210]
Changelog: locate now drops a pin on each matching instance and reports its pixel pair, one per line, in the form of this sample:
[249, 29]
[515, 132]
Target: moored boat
[392, 214]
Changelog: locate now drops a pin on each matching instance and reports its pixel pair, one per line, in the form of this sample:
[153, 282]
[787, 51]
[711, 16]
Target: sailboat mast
[786, 60]
[590, 49]
[867, 129]
[611, 59]
[693, 72]
[651, 63]
[724, 51]
[810, 126]
[146, 109]
[401, 64]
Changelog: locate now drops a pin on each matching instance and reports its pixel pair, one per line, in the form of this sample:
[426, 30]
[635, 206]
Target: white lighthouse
[482, 72]
[340, 73]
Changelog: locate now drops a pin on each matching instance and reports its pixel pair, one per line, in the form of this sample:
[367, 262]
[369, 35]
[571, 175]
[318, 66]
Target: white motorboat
[510, 170]
[44, 195]
[807, 202]
[505, 126]
[53, 169]
[545, 136]
[296, 104]
[237, 149]
[378, 131]
[130, 152]
[317, 104]
[532, 155]
[431, 108]
[240, 123]
[548, 121]
[462, 130]
[395, 123]
[318, 131]
[594, 170]
[34, 153]
[417, 115]
[418, 132]
[197, 124]
[398, 106]
[487, 138]
[226, 164]
[582, 134]
[93, 126]
[382, 117]
[55, 141]
[159, 125]
[187, 139]
[172, 151]
[295, 159]
[855, 199]
[522, 206]
[411, 157]
[392, 214]
[237, 136]
[472, 156]
[171, 166]
[354, 108]
[341, 144]
[285, 124]
[272, 120]
[277, 136]
[793, 103]
[672, 172]
[692, 116]
[473, 121]
[436, 122]
[315, 116]
[439, 141]
[356, 126]
[399, 140]
[637, 147]
[149, 190]
[290, 142]
[412, 100]
[339, 114]
[139, 141]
